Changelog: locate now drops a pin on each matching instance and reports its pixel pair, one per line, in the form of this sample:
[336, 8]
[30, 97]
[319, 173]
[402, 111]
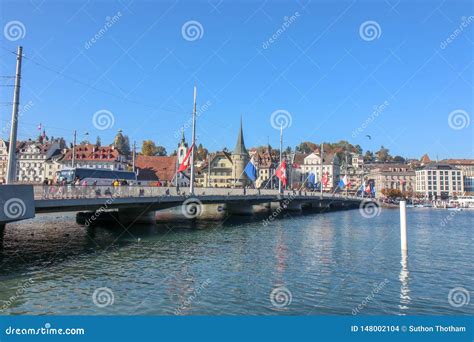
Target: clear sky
[337, 69]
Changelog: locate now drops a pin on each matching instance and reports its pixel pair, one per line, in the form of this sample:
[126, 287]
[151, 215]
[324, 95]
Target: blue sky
[321, 70]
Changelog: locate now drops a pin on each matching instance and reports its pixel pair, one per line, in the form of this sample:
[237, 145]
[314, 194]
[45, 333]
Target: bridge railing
[54, 192]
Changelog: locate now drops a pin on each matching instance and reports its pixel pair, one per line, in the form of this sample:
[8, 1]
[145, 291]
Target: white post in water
[403, 225]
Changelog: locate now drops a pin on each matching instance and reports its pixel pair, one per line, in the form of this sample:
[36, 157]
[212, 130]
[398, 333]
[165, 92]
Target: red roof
[90, 152]
[156, 167]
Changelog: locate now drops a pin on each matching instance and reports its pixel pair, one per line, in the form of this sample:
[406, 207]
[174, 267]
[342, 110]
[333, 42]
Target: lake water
[337, 263]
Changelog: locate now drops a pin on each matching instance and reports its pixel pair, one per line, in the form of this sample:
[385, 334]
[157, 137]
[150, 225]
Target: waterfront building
[93, 156]
[225, 169]
[3, 160]
[392, 176]
[467, 168]
[266, 163]
[182, 149]
[439, 181]
[159, 170]
[330, 165]
[240, 157]
[32, 159]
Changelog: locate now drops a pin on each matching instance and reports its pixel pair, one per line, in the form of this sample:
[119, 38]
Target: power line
[90, 85]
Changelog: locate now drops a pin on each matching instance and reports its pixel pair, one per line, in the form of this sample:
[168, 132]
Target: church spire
[240, 145]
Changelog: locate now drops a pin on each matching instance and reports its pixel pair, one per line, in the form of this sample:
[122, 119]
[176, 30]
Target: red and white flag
[281, 173]
[186, 162]
[325, 179]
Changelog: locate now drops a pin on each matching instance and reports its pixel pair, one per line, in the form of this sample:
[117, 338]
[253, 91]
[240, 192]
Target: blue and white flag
[311, 179]
[251, 170]
[343, 182]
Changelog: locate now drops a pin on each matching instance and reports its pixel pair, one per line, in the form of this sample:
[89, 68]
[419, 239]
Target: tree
[148, 148]
[368, 157]
[201, 152]
[383, 155]
[122, 143]
[306, 147]
[160, 151]
[399, 159]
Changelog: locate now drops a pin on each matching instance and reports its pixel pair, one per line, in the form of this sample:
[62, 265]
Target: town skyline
[336, 84]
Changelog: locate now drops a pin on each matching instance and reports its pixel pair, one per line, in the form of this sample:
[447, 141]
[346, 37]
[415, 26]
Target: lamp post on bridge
[11, 171]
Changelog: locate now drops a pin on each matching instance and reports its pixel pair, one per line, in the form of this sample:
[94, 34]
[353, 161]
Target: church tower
[240, 158]
[182, 148]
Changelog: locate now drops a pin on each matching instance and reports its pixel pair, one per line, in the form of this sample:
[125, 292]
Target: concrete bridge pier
[211, 212]
[136, 216]
[292, 205]
[262, 208]
[240, 208]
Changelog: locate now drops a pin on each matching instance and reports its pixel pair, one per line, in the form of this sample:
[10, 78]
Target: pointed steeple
[182, 136]
[240, 146]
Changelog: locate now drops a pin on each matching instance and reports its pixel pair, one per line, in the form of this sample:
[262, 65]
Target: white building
[439, 181]
[92, 156]
[31, 160]
[331, 167]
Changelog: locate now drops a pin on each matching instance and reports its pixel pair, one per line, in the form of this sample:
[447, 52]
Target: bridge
[139, 203]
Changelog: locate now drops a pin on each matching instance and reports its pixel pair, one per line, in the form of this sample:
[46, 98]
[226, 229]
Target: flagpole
[191, 185]
[322, 162]
[281, 156]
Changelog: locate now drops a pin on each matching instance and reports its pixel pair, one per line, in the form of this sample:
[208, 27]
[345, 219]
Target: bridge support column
[239, 209]
[262, 208]
[136, 216]
[211, 212]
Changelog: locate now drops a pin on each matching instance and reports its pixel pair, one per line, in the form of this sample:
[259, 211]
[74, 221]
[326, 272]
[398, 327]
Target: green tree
[201, 152]
[306, 147]
[368, 157]
[399, 159]
[148, 148]
[160, 151]
[122, 143]
[383, 155]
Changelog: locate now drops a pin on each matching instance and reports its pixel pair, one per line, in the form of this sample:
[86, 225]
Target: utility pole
[133, 155]
[347, 188]
[322, 162]
[11, 171]
[208, 170]
[193, 147]
[281, 156]
[73, 159]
